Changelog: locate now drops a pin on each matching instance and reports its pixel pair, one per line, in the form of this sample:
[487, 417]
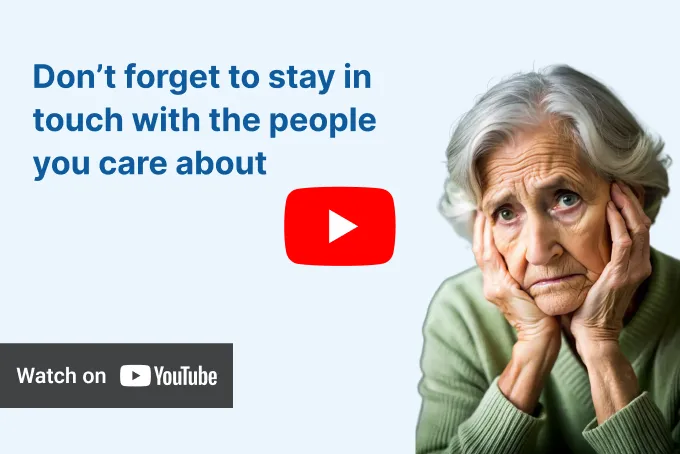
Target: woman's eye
[506, 214]
[568, 199]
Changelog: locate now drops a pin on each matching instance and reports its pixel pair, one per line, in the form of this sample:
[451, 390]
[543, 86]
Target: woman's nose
[541, 240]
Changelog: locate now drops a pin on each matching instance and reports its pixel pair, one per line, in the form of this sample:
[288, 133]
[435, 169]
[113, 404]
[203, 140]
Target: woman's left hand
[600, 317]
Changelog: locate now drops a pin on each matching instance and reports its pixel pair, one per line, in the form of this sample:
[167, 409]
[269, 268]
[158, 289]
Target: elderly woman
[566, 335]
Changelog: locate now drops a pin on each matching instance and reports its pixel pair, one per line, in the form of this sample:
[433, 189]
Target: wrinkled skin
[545, 230]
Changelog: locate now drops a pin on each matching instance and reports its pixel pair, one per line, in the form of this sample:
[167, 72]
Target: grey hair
[610, 138]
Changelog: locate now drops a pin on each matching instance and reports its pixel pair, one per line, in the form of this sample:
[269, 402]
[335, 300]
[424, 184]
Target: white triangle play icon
[338, 226]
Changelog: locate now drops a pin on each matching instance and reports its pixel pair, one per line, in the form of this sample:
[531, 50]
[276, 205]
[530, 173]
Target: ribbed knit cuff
[639, 427]
[498, 426]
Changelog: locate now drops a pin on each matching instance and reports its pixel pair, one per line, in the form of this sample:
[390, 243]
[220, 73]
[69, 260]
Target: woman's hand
[596, 325]
[600, 318]
[538, 335]
[501, 289]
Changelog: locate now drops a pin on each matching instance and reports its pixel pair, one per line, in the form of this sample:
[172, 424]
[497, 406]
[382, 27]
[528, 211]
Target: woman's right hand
[538, 334]
[501, 289]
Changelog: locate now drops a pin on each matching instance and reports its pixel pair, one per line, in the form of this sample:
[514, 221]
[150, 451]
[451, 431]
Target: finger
[636, 220]
[477, 237]
[621, 241]
[644, 219]
[490, 290]
[624, 197]
[633, 197]
[641, 244]
[640, 238]
[491, 254]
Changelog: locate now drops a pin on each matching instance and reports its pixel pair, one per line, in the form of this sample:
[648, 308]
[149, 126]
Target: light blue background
[326, 359]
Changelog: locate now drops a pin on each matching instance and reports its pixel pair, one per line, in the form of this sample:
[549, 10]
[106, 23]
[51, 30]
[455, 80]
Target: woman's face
[548, 212]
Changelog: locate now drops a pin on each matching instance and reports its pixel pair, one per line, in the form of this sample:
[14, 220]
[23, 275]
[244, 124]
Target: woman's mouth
[553, 281]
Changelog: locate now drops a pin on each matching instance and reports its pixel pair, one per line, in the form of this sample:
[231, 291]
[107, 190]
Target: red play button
[339, 226]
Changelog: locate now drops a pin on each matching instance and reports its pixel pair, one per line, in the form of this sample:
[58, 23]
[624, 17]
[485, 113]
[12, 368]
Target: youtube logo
[135, 375]
[339, 226]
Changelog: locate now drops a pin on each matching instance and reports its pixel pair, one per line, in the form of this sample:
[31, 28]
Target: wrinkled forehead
[532, 162]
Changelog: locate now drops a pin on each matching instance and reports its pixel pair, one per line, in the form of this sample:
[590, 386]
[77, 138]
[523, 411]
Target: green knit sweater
[468, 343]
